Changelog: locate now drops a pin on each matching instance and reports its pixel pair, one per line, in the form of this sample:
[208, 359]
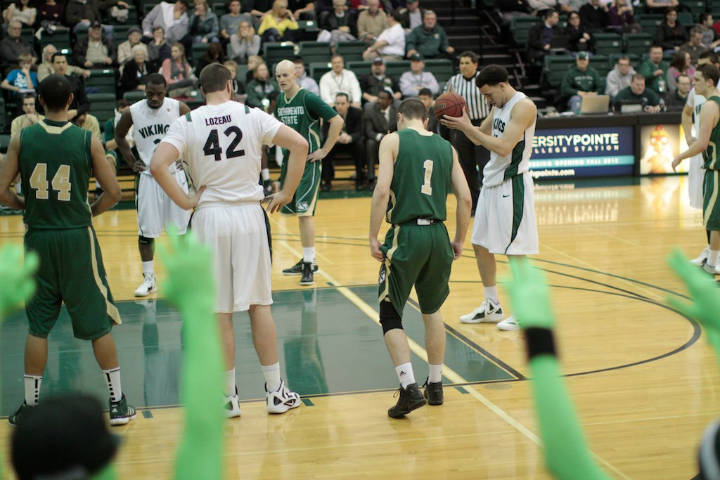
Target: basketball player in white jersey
[505, 216]
[221, 144]
[150, 119]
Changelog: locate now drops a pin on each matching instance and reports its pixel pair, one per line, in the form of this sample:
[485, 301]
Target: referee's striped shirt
[476, 103]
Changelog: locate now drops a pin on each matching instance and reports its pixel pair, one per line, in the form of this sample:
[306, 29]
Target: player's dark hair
[343, 94]
[155, 79]
[709, 72]
[214, 77]
[710, 55]
[55, 91]
[413, 109]
[471, 55]
[491, 75]
[425, 92]
[57, 54]
[637, 76]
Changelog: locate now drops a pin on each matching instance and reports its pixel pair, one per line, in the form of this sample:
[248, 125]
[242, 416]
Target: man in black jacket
[349, 141]
[541, 34]
[412, 16]
[594, 16]
[376, 81]
[380, 120]
[80, 103]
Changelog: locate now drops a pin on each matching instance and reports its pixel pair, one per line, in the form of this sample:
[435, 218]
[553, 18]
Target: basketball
[450, 104]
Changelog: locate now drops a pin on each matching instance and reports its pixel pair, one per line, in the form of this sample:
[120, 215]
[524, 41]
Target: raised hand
[16, 281]
[529, 295]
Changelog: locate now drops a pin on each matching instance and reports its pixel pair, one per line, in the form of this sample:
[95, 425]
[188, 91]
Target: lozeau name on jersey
[218, 120]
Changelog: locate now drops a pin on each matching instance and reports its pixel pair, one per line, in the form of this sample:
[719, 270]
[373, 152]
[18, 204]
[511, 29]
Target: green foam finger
[690, 310]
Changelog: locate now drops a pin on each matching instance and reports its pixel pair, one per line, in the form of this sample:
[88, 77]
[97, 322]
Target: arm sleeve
[566, 453]
[214, 27]
[265, 24]
[12, 76]
[356, 132]
[535, 39]
[444, 41]
[80, 52]
[653, 98]
[149, 19]
[325, 90]
[411, 40]
[176, 136]
[612, 86]
[646, 70]
[406, 88]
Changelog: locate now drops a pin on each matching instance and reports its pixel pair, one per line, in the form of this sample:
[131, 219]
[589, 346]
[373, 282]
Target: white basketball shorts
[155, 210]
[696, 176]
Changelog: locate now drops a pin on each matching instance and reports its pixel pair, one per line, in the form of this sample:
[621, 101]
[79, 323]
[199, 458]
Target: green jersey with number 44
[55, 167]
[422, 178]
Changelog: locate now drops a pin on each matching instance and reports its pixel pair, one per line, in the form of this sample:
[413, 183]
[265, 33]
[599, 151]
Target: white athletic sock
[272, 376]
[713, 257]
[435, 373]
[308, 254]
[405, 374]
[230, 382]
[32, 389]
[112, 378]
[491, 293]
[148, 268]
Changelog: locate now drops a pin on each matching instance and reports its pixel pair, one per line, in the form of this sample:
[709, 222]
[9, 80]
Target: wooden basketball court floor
[643, 380]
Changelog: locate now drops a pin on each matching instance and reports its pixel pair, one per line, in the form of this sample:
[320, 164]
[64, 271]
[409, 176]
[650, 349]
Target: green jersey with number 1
[55, 167]
[422, 178]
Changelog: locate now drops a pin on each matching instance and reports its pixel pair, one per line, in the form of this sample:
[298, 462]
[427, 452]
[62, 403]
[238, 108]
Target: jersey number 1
[212, 144]
[60, 182]
[426, 186]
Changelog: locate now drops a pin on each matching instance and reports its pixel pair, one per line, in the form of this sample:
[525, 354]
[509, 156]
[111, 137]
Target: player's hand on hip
[195, 199]
[457, 249]
[317, 155]
[375, 251]
[277, 200]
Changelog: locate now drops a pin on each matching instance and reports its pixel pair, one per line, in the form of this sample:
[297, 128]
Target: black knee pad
[389, 317]
[145, 240]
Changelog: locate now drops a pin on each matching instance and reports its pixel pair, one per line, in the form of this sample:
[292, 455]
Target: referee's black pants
[473, 159]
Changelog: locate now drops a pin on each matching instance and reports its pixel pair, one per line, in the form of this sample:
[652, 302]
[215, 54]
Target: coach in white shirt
[391, 42]
[339, 80]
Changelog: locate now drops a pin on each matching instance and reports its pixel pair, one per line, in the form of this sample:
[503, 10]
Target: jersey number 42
[212, 144]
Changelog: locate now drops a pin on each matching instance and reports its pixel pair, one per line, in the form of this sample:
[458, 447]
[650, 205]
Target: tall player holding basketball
[151, 118]
[505, 216]
[302, 111]
[221, 144]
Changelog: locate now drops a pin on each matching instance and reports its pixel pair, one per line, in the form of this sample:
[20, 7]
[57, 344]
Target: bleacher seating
[351, 51]
[360, 69]
[520, 26]
[555, 67]
[314, 52]
[638, 43]
[102, 105]
[395, 69]
[607, 43]
[101, 81]
[317, 70]
[649, 22]
[686, 19]
[441, 68]
[274, 52]
[60, 39]
[134, 96]
[198, 50]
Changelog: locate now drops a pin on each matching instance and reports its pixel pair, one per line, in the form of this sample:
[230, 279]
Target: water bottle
[661, 85]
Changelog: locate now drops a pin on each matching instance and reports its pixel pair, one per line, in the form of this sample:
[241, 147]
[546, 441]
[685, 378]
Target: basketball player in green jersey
[417, 171]
[56, 159]
[301, 110]
[708, 138]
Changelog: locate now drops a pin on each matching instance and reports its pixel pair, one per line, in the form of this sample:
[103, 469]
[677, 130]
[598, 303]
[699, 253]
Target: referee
[471, 155]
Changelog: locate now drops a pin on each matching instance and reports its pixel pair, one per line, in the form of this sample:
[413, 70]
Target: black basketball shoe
[297, 269]
[410, 399]
[307, 274]
[433, 392]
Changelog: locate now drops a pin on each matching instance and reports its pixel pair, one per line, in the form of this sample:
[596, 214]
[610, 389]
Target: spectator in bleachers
[654, 70]
[380, 120]
[204, 25]
[338, 79]
[339, 19]
[371, 22]
[675, 101]
[541, 34]
[619, 77]
[567, 6]
[670, 34]
[172, 17]
[660, 6]
[238, 87]
[709, 35]
[109, 143]
[260, 87]
[416, 79]
[579, 39]
[51, 14]
[426, 97]
[278, 25]
[124, 51]
[244, 43]
[12, 46]
[158, 48]
[512, 9]
[230, 22]
[412, 16]
[21, 11]
[80, 103]
[680, 64]
[45, 68]
[622, 17]
[21, 80]
[637, 92]
[94, 51]
[349, 142]
[537, 6]
[579, 82]
[115, 9]
[694, 46]
[29, 116]
[214, 54]
[429, 40]
[135, 71]
[595, 15]
[390, 45]
[377, 81]
[302, 9]
[80, 14]
[177, 72]
[303, 79]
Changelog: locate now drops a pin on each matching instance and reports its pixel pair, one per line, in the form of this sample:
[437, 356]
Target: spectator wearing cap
[124, 51]
[303, 79]
[94, 51]
[371, 22]
[390, 45]
[412, 15]
[12, 46]
[376, 81]
[349, 142]
[579, 82]
[172, 17]
[429, 40]
[416, 79]
[380, 119]
[338, 79]
[541, 34]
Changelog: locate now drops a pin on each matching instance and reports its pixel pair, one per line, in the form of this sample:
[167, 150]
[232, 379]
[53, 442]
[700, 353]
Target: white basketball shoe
[487, 312]
[148, 285]
[282, 399]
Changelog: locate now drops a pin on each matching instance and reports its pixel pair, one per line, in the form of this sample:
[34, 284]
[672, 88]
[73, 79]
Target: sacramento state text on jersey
[290, 115]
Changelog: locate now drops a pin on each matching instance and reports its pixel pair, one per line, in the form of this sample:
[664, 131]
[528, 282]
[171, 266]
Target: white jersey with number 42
[222, 148]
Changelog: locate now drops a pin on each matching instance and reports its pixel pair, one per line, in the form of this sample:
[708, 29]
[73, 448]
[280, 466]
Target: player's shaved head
[285, 66]
[285, 75]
